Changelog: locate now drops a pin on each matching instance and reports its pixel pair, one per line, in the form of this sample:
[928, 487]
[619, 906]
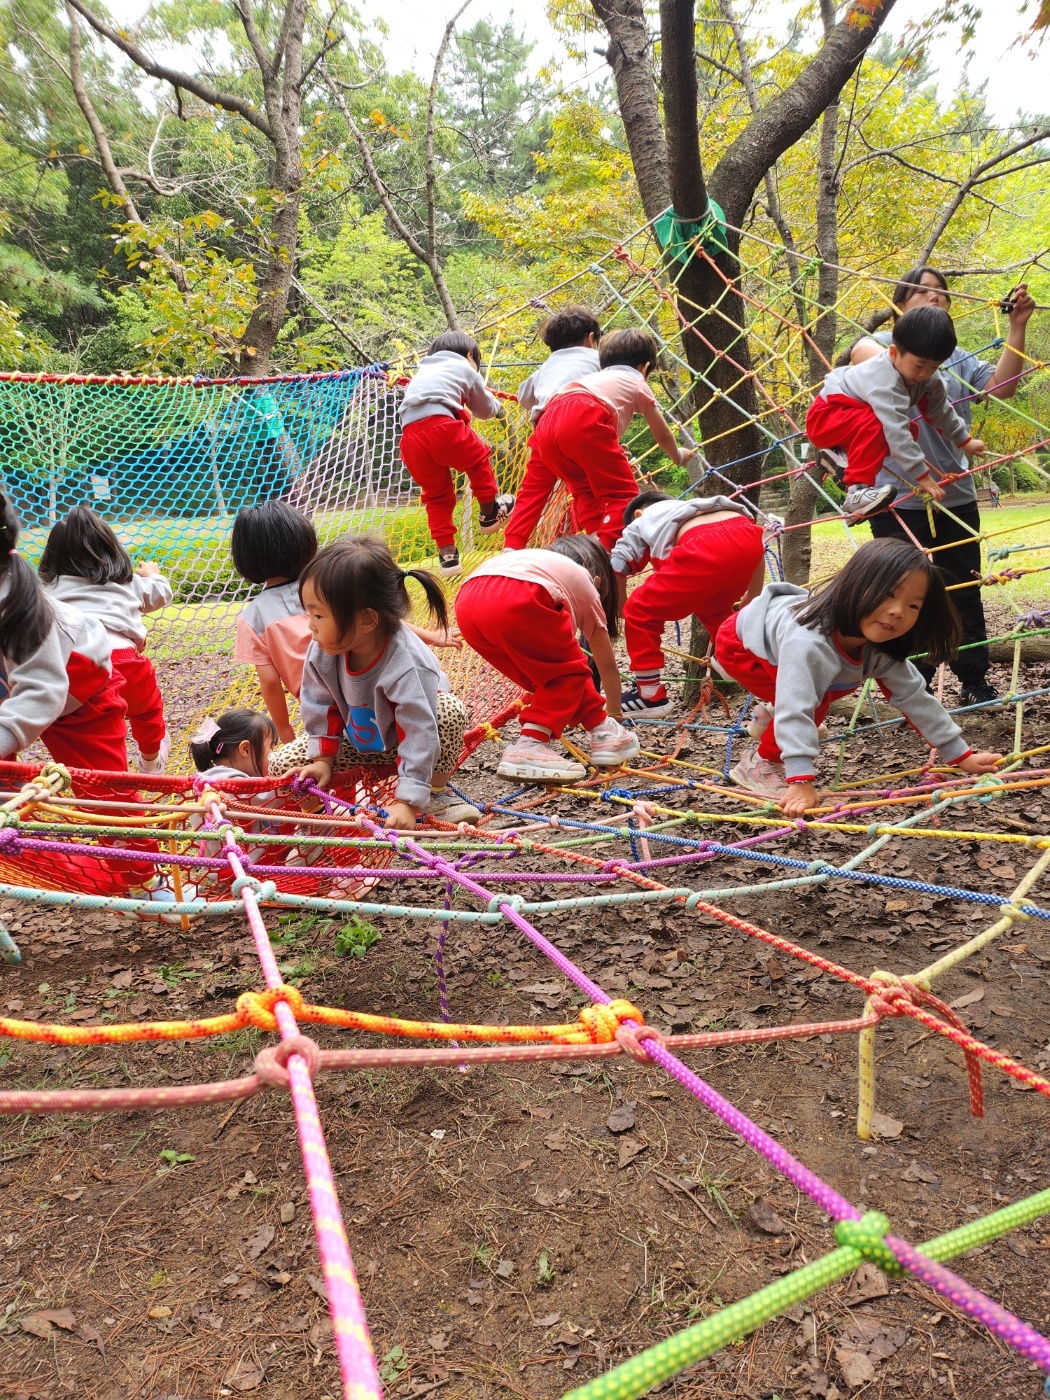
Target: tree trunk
[629, 56]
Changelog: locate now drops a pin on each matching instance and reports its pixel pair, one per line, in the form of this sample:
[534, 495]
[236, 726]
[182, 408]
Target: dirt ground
[518, 1230]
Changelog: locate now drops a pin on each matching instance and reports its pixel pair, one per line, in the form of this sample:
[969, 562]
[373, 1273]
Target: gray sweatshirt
[70, 666]
[445, 384]
[810, 664]
[653, 532]
[877, 383]
[118, 606]
[563, 367]
[392, 705]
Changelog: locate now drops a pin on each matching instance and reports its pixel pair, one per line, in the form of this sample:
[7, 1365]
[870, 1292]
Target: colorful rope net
[156, 459]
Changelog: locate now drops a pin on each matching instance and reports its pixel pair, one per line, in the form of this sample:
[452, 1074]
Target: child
[865, 409]
[237, 745]
[272, 544]
[84, 564]
[521, 612]
[372, 692]
[572, 336]
[577, 441]
[437, 440]
[707, 554]
[801, 653]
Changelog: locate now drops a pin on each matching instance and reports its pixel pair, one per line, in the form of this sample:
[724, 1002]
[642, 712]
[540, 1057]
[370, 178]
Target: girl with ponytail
[372, 692]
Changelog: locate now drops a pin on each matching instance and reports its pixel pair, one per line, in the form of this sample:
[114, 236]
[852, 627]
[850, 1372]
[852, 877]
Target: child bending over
[521, 611]
[437, 440]
[84, 564]
[865, 410]
[577, 441]
[707, 554]
[372, 692]
[272, 544]
[802, 652]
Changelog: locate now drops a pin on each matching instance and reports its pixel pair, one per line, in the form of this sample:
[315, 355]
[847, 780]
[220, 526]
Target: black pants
[960, 564]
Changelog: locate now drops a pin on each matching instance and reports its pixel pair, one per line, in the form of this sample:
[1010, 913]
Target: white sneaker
[445, 806]
[164, 893]
[158, 764]
[760, 776]
[761, 719]
[862, 501]
[612, 744]
[536, 763]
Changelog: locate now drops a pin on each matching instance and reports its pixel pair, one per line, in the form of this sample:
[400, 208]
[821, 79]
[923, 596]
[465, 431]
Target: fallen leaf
[505, 1268]
[245, 1374]
[73, 1195]
[535, 1112]
[885, 1127]
[318, 1285]
[123, 980]
[437, 1341]
[630, 1148]
[896, 906]
[917, 1172]
[87, 1332]
[287, 1212]
[856, 1367]
[773, 970]
[298, 1322]
[868, 1281]
[968, 999]
[551, 1320]
[159, 1312]
[622, 1119]
[260, 1241]
[877, 1341]
[37, 1325]
[557, 1141]
[762, 1215]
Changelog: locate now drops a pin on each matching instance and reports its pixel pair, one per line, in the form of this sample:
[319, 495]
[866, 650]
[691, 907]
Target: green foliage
[355, 938]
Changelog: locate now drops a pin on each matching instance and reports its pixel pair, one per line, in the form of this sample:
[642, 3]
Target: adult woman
[969, 379]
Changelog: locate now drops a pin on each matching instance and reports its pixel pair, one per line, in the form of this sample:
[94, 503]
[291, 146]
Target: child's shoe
[537, 763]
[448, 561]
[163, 892]
[637, 706]
[760, 776]
[445, 806]
[612, 745]
[761, 719]
[834, 461]
[158, 764]
[493, 519]
[862, 501]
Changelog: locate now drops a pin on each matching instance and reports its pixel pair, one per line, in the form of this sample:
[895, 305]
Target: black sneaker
[833, 461]
[448, 561]
[982, 693]
[489, 521]
[635, 705]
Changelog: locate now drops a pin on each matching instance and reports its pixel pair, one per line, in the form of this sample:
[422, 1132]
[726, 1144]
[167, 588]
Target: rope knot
[264, 890]
[271, 1063]
[512, 901]
[59, 773]
[257, 1007]
[867, 1237]
[631, 1038]
[1013, 912]
[9, 837]
[602, 1022]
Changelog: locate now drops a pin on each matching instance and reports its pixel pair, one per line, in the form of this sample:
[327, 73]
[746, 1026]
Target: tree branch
[229, 102]
[431, 179]
[628, 55]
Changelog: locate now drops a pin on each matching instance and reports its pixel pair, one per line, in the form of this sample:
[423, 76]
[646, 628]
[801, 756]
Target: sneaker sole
[450, 573]
[615, 761]
[492, 529]
[742, 780]
[468, 814]
[527, 773]
[650, 711]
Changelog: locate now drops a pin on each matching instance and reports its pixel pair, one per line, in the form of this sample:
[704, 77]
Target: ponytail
[434, 594]
[25, 613]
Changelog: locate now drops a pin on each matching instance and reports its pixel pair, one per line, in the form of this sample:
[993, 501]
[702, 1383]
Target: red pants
[142, 696]
[839, 421]
[529, 638]
[575, 441]
[432, 449]
[759, 676]
[707, 571]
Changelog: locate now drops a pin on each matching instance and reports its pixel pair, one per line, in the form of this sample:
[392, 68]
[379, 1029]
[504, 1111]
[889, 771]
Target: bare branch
[330, 320]
[431, 181]
[972, 180]
[229, 102]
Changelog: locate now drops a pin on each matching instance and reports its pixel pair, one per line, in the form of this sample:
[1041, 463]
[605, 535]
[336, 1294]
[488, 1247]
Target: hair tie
[206, 732]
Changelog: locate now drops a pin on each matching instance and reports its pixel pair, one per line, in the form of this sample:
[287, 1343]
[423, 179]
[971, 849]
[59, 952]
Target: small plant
[392, 1364]
[173, 1159]
[355, 938]
[544, 1271]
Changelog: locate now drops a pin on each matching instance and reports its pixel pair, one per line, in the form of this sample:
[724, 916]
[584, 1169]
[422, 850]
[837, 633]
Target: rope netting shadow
[169, 461]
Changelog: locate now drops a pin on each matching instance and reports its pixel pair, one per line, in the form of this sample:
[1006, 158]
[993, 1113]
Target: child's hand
[286, 734]
[685, 454]
[433, 638]
[983, 762]
[974, 447]
[928, 483]
[320, 771]
[148, 569]
[798, 799]
[400, 816]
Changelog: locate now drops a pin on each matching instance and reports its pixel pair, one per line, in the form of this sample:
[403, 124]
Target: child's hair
[459, 343]
[25, 613]
[359, 572]
[271, 540]
[570, 326]
[590, 555]
[911, 281]
[630, 347]
[233, 728]
[871, 575]
[643, 499]
[84, 546]
[925, 331]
